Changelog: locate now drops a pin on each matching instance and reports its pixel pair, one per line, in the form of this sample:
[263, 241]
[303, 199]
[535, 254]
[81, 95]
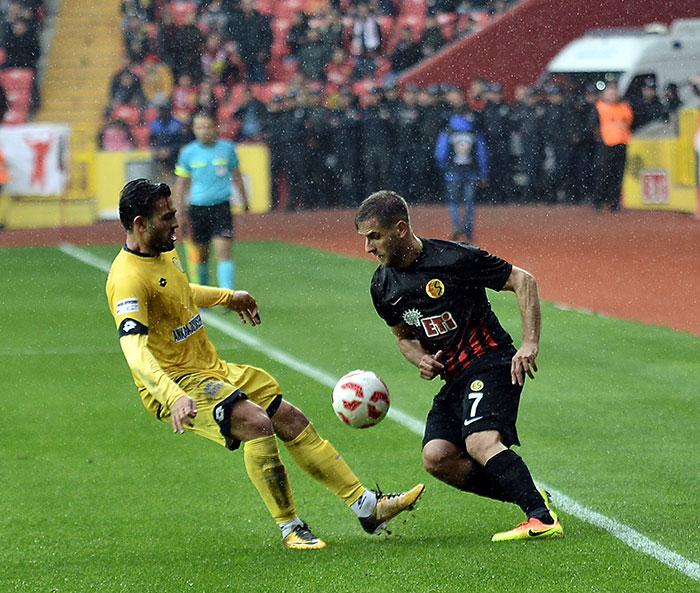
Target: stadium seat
[181, 10]
[272, 89]
[413, 8]
[18, 80]
[129, 114]
[142, 135]
[280, 29]
[266, 6]
[149, 114]
[15, 117]
[386, 25]
[288, 8]
[228, 129]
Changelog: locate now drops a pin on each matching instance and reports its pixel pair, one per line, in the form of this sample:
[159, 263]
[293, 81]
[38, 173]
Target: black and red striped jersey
[441, 296]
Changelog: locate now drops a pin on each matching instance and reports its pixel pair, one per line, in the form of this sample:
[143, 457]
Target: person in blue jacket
[461, 153]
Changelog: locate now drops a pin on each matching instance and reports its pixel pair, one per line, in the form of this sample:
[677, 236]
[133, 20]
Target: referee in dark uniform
[432, 294]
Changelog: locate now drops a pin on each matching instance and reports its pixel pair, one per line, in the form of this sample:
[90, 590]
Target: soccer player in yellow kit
[182, 380]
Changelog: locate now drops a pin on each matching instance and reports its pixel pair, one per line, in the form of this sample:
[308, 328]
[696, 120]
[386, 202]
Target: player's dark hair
[386, 206]
[138, 198]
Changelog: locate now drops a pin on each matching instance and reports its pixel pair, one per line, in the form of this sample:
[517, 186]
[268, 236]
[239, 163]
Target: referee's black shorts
[482, 398]
[207, 222]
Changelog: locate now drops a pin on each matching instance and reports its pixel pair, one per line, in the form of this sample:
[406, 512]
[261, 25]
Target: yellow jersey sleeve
[210, 296]
[144, 366]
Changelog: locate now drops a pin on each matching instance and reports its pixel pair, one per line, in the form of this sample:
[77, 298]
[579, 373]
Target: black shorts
[211, 221]
[482, 398]
[222, 416]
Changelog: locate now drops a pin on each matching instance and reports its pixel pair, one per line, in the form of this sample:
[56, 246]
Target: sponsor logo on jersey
[438, 324]
[212, 387]
[477, 385]
[185, 331]
[130, 326]
[162, 282]
[435, 288]
[126, 306]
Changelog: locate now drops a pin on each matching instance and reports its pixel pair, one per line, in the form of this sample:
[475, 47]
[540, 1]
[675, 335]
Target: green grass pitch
[97, 496]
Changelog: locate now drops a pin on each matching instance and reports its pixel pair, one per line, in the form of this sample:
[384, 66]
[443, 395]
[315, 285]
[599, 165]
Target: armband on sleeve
[210, 296]
[145, 366]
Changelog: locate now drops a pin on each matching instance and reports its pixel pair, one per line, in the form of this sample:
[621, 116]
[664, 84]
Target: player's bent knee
[435, 458]
[288, 421]
[249, 421]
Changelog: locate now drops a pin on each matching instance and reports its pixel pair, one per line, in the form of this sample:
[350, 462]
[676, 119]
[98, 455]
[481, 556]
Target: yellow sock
[319, 459]
[268, 474]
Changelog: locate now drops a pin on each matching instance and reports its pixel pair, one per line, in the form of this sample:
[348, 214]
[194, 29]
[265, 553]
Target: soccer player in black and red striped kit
[432, 294]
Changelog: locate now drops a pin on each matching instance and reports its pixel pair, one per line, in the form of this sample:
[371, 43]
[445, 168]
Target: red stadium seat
[142, 135]
[129, 114]
[266, 6]
[15, 117]
[280, 29]
[272, 89]
[386, 25]
[287, 8]
[413, 7]
[416, 22]
[17, 80]
[229, 129]
[149, 114]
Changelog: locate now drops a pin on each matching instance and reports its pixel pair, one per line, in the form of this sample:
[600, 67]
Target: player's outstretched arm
[523, 284]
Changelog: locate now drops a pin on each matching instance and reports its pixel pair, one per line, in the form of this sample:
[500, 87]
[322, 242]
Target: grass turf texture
[97, 496]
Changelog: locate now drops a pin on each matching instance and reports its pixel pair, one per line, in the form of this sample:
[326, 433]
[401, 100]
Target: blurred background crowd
[322, 75]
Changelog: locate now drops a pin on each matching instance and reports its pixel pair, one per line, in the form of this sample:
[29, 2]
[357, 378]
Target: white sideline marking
[629, 536]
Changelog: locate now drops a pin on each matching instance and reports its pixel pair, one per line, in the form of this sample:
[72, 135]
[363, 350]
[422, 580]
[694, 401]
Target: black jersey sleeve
[485, 269]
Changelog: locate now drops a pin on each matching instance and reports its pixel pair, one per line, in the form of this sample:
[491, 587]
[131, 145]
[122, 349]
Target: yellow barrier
[661, 173]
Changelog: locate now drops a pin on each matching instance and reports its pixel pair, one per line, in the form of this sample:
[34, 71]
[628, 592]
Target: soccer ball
[360, 399]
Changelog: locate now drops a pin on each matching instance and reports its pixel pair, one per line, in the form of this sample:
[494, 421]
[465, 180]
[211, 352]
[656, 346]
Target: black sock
[510, 472]
[480, 482]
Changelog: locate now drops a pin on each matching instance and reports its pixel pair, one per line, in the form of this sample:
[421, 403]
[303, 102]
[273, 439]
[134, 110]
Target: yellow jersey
[151, 295]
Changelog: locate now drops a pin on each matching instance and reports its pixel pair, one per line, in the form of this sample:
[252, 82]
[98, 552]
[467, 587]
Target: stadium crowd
[321, 74]
[21, 22]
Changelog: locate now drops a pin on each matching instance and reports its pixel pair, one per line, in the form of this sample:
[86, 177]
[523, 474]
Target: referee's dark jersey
[442, 297]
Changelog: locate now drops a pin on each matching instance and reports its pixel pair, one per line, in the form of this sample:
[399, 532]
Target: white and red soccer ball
[360, 399]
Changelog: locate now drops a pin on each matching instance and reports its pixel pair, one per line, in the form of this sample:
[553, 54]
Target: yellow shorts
[216, 396]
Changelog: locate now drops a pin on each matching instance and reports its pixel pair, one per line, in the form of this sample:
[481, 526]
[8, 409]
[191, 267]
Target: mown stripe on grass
[626, 534]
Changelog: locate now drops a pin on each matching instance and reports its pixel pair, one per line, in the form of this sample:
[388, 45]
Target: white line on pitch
[626, 534]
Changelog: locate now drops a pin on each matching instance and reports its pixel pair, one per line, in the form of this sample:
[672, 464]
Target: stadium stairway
[86, 50]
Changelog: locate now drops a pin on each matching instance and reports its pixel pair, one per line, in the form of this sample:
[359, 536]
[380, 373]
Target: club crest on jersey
[477, 385]
[435, 288]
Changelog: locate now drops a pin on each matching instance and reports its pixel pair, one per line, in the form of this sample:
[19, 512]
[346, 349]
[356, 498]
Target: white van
[630, 56]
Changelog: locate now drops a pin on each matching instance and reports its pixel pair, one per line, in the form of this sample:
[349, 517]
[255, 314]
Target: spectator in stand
[275, 144]
[316, 147]
[157, 82]
[313, 56]
[338, 71]
[219, 60]
[184, 96]
[583, 170]
[612, 123]
[647, 107]
[432, 39]
[126, 87]
[252, 114]
[166, 41]
[461, 153]
[407, 138]
[560, 125]
[475, 94]
[115, 135]
[166, 138]
[21, 44]
[376, 141]
[406, 53]
[433, 119]
[465, 26]
[332, 28]
[136, 39]
[529, 121]
[189, 44]
[292, 132]
[214, 18]
[344, 122]
[497, 122]
[672, 101]
[297, 33]
[366, 41]
[252, 32]
[206, 98]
